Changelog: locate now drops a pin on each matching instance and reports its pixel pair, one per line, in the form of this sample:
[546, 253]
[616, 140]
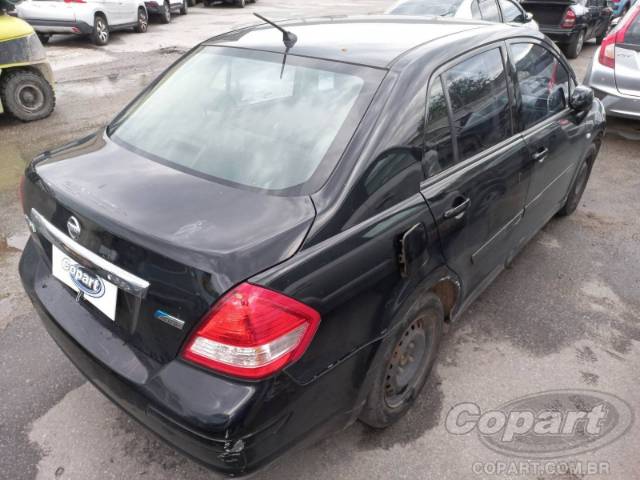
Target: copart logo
[549, 424]
[86, 281]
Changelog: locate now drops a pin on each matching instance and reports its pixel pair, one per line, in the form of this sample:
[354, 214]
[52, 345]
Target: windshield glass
[230, 115]
[426, 7]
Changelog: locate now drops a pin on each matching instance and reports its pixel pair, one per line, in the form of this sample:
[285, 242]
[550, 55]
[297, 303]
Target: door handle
[458, 209]
[541, 154]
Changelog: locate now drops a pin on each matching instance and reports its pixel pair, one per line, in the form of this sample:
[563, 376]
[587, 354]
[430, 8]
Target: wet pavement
[566, 315]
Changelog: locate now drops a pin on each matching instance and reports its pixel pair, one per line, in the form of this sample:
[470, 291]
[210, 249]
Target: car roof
[372, 40]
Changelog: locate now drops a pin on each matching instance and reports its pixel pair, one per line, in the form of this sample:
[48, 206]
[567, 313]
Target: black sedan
[286, 268]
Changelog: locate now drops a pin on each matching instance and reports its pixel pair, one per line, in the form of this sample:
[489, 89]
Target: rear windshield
[426, 7]
[236, 116]
[632, 36]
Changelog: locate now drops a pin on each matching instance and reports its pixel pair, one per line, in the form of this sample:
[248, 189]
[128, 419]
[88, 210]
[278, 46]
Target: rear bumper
[557, 34]
[60, 26]
[602, 80]
[154, 8]
[230, 426]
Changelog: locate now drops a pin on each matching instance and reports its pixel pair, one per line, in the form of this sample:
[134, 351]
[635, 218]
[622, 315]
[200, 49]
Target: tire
[44, 38]
[143, 21]
[165, 16]
[100, 32]
[407, 357]
[572, 49]
[184, 8]
[27, 95]
[192, 3]
[241, 3]
[580, 182]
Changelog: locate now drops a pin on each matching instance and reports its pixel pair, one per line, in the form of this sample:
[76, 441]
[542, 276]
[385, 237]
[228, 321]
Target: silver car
[504, 11]
[614, 73]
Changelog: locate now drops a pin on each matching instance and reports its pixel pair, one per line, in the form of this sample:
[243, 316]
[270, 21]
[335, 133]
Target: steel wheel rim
[30, 97]
[407, 364]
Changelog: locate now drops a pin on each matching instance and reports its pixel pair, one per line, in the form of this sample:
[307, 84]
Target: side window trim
[512, 66]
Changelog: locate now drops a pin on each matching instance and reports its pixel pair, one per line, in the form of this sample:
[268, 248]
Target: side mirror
[528, 16]
[581, 98]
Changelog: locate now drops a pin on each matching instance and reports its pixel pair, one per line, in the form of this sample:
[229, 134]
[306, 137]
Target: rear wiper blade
[288, 38]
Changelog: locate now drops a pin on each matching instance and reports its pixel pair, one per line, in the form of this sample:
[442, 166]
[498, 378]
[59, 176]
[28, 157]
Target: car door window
[511, 12]
[439, 153]
[543, 83]
[479, 98]
[489, 10]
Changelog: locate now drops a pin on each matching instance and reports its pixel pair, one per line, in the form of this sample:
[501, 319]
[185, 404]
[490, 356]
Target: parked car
[239, 3]
[26, 80]
[95, 18]
[614, 72]
[248, 291]
[571, 22]
[506, 11]
[163, 9]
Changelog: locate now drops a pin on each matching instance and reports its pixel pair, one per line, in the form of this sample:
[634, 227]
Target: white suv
[96, 18]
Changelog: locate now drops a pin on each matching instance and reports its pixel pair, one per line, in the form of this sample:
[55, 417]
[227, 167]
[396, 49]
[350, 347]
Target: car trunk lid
[190, 238]
[548, 13]
[627, 53]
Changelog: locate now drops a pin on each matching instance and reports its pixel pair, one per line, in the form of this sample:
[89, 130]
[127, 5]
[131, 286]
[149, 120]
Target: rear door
[475, 184]
[553, 139]
[628, 57]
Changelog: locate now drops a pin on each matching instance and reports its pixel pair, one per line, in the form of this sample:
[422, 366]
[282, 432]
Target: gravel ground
[564, 316]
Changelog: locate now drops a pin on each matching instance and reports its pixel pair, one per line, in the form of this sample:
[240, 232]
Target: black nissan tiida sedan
[262, 248]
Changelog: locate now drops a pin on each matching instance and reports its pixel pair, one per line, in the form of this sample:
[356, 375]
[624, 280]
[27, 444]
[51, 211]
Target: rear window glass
[633, 32]
[426, 7]
[238, 117]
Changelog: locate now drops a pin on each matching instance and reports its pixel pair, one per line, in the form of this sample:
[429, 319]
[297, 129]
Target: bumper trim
[123, 279]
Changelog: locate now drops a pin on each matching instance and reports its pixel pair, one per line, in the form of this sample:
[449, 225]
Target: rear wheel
[580, 182]
[574, 47]
[241, 3]
[100, 33]
[407, 358]
[165, 16]
[27, 95]
[184, 8]
[143, 21]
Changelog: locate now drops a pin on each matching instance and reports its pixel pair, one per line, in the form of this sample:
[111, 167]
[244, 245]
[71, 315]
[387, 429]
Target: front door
[553, 138]
[476, 183]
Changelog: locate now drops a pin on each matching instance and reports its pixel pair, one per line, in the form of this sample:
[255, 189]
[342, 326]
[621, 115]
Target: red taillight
[252, 333]
[569, 19]
[607, 56]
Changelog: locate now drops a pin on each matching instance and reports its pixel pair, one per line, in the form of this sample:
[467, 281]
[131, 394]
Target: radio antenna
[288, 38]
